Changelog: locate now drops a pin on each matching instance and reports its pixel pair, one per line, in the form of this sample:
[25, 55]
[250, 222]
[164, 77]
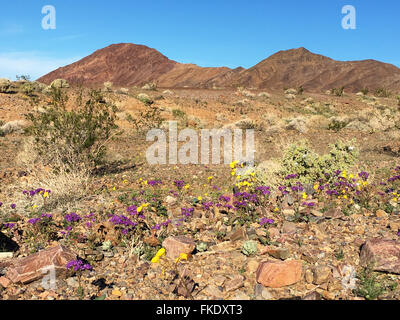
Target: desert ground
[317, 218]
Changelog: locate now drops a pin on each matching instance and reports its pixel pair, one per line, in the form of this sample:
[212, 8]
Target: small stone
[170, 201]
[72, 282]
[278, 253]
[252, 266]
[273, 232]
[4, 282]
[213, 291]
[313, 296]
[279, 274]
[234, 284]
[333, 213]
[238, 234]
[381, 214]
[174, 246]
[289, 227]
[309, 277]
[321, 274]
[219, 280]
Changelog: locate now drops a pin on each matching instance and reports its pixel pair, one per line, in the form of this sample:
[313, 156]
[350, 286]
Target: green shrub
[249, 248]
[149, 119]
[338, 92]
[177, 113]
[337, 125]
[142, 97]
[310, 166]
[27, 88]
[364, 91]
[382, 93]
[73, 138]
[368, 287]
[5, 85]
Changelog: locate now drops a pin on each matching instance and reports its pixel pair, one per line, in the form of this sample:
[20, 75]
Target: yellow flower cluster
[140, 209]
[158, 255]
[182, 256]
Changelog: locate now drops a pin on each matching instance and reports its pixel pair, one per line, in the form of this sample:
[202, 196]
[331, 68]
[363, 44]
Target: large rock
[279, 274]
[381, 255]
[174, 246]
[59, 83]
[35, 266]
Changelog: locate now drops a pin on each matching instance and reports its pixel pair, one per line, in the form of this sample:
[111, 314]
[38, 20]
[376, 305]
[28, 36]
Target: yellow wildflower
[304, 195]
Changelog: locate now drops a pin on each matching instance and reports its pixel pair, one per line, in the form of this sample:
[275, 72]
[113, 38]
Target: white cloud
[35, 64]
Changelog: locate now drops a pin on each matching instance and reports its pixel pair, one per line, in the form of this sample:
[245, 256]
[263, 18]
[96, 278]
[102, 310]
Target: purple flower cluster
[154, 182]
[78, 265]
[224, 198]
[179, 183]
[8, 225]
[363, 175]
[187, 212]
[264, 221]
[309, 204]
[124, 222]
[73, 217]
[291, 176]
[207, 205]
[32, 193]
[264, 190]
[34, 221]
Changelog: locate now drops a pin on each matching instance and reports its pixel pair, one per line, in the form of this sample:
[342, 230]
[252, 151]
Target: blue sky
[208, 32]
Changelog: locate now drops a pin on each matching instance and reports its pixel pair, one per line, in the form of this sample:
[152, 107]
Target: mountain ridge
[127, 64]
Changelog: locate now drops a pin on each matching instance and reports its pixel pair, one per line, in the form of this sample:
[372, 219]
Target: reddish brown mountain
[129, 64]
[300, 67]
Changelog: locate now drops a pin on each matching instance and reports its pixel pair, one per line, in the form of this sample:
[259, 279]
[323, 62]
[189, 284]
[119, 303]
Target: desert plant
[300, 90]
[142, 97]
[338, 91]
[75, 138]
[309, 166]
[364, 91]
[27, 88]
[382, 93]
[249, 248]
[337, 125]
[369, 287]
[146, 120]
[5, 85]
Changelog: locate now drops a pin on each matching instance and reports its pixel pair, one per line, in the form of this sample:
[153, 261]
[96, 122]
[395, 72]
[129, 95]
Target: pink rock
[4, 282]
[279, 274]
[381, 255]
[35, 266]
[174, 246]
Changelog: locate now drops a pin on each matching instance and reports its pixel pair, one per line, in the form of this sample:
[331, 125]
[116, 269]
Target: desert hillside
[317, 218]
